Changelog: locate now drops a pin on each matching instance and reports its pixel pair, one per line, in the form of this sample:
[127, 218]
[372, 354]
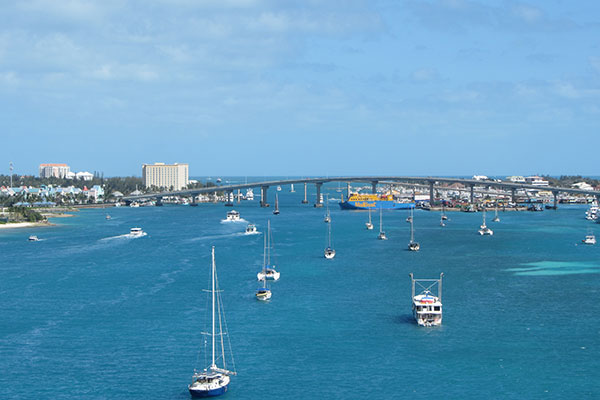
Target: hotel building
[54, 170]
[164, 176]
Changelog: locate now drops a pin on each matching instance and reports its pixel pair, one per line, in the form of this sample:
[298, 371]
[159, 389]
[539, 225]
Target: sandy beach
[12, 225]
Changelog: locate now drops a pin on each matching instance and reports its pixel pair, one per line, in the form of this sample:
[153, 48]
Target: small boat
[427, 308]
[369, 224]
[444, 216]
[276, 210]
[329, 251]
[589, 239]
[381, 235]
[268, 272]
[251, 229]
[134, 205]
[107, 216]
[213, 380]
[233, 216]
[263, 293]
[219, 180]
[496, 217]
[137, 232]
[292, 188]
[249, 194]
[327, 218]
[33, 238]
[412, 245]
[278, 188]
[484, 230]
[593, 211]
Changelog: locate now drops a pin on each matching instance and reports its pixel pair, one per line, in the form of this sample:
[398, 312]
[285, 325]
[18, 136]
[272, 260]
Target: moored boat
[268, 271]
[427, 307]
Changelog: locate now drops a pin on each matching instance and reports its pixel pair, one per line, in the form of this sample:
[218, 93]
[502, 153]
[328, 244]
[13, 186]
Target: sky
[301, 88]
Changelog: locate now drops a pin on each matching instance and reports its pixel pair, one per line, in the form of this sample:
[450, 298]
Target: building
[516, 179]
[84, 176]
[582, 186]
[536, 181]
[54, 170]
[165, 176]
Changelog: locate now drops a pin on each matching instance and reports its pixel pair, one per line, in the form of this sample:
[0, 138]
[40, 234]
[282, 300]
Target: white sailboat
[484, 230]
[496, 217]
[292, 188]
[276, 210]
[444, 216]
[381, 235]
[329, 251]
[412, 245]
[264, 293]
[327, 218]
[268, 272]
[214, 380]
[369, 224]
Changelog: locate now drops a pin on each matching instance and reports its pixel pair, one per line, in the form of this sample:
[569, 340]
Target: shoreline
[15, 225]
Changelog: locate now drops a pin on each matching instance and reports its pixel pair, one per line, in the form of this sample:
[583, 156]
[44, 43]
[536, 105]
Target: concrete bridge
[432, 182]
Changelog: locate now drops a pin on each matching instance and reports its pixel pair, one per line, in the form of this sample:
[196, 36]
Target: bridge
[432, 182]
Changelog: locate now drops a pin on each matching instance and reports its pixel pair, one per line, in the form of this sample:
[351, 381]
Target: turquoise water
[87, 313]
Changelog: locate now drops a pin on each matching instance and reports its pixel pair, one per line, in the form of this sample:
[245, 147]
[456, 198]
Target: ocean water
[90, 313]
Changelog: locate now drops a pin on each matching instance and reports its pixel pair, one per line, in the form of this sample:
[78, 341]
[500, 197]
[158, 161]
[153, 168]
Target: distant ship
[358, 201]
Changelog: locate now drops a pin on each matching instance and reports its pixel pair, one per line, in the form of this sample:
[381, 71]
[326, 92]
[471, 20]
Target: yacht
[484, 230]
[268, 272]
[134, 205]
[369, 224]
[136, 232]
[381, 235]
[593, 211]
[589, 239]
[33, 238]
[426, 307]
[214, 380]
[233, 216]
[263, 293]
[251, 229]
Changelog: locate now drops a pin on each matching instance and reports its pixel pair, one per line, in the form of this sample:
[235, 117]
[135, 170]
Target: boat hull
[208, 393]
[375, 205]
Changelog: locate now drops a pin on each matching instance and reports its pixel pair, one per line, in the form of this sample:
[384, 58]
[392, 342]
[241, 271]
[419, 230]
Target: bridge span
[432, 182]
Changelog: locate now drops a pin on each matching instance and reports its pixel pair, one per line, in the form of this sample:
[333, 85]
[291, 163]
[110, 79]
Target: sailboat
[444, 216]
[327, 218]
[276, 210]
[214, 380]
[496, 217]
[268, 271]
[369, 224]
[329, 251]
[442, 224]
[484, 230]
[412, 245]
[263, 293]
[381, 235]
[292, 188]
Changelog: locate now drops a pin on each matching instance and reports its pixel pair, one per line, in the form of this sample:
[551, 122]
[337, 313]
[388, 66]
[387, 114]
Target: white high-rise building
[165, 176]
[54, 170]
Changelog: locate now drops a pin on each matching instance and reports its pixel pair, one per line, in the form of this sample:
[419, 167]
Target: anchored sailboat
[263, 293]
[276, 210]
[268, 271]
[412, 245]
[329, 251]
[496, 217]
[484, 230]
[327, 218]
[369, 224]
[214, 380]
[381, 235]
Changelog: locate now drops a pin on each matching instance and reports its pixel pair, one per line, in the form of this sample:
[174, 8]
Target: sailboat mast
[412, 230]
[213, 306]
[369, 215]
[380, 221]
[269, 242]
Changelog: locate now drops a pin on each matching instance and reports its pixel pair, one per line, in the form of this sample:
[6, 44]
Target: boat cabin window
[437, 308]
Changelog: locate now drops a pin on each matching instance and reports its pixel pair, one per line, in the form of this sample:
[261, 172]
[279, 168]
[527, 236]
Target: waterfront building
[582, 186]
[84, 176]
[516, 179]
[54, 170]
[165, 176]
[536, 181]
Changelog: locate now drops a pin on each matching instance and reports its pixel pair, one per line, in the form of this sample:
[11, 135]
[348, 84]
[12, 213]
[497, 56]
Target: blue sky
[266, 87]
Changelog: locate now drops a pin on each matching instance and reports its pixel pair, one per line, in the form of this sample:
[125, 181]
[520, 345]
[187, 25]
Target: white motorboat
[251, 229]
[233, 216]
[593, 211]
[369, 224]
[426, 307]
[214, 380]
[381, 235]
[268, 271]
[107, 216]
[33, 238]
[134, 205]
[278, 188]
[483, 228]
[589, 239]
[136, 232]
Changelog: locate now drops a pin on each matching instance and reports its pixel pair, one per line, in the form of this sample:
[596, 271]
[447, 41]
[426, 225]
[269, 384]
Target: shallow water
[90, 313]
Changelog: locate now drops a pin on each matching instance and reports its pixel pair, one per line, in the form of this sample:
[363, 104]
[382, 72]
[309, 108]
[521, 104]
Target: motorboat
[107, 216]
[136, 232]
[233, 216]
[251, 229]
[134, 204]
[589, 239]
[427, 307]
[593, 211]
[33, 238]
[214, 380]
